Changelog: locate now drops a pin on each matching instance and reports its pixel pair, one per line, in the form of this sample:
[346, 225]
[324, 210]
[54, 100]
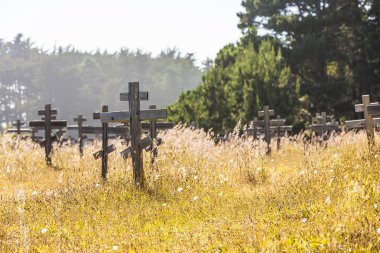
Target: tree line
[299, 57]
[80, 82]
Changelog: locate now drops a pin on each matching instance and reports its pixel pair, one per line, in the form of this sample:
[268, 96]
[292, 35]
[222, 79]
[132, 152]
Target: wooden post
[267, 129]
[104, 145]
[368, 121]
[48, 134]
[80, 119]
[18, 126]
[153, 135]
[255, 128]
[278, 130]
[134, 108]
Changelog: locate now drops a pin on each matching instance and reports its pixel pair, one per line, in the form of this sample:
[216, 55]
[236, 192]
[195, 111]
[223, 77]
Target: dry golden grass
[199, 197]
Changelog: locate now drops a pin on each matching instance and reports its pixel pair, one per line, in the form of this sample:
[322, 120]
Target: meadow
[199, 197]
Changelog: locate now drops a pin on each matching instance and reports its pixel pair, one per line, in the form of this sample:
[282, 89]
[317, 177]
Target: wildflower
[315, 172]
[195, 198]
[115, 247]
[180, 189]
[220, 194]
[164, 204]
[328, 200]
[8, 170]
[195, 177]
[34, 193]
[44, 230]
[375, 206]
[303, 220]
[376, 156]
[97, 185]
[378, 230]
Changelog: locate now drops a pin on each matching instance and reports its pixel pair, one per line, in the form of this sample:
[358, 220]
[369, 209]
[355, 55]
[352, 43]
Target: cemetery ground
[199, 196]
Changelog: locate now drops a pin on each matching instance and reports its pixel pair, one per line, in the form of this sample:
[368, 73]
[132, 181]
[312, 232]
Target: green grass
[200, 197]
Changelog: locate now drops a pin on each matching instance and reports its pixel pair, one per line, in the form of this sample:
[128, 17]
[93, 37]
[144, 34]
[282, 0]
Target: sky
[201, 27]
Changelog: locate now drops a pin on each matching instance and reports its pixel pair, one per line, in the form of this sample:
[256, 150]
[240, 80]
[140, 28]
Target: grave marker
[134, 116]
[48, 125]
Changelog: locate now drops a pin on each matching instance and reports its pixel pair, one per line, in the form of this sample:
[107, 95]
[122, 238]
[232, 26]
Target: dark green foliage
[299, 57]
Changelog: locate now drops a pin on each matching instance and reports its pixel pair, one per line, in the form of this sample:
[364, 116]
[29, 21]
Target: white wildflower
[97, 185]
[378, 230]
[220, 194]
[328, 200]
[164, 204]
[115, 247]
[195, 177]
[195, 198]
[34, 193]
[315, 172]
[375, 206]
[44, 230]
[180, 189]
[303, 220]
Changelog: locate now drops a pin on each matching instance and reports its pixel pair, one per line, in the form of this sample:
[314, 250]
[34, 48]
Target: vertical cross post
[368, 121]
[104, 145]
[324, 123]
[267, 128]
[48, 134]
[278, 130]
[18, 127]
[134, 108]
[80, 119]
[255, 128]
[153, 135]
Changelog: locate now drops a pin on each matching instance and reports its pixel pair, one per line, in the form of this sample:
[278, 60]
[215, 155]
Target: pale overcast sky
[193, 26]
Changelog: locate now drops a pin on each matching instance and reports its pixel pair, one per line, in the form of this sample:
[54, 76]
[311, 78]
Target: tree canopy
[80, 82]
[299, 57]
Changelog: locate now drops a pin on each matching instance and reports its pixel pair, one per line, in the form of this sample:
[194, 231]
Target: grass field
[200, 197]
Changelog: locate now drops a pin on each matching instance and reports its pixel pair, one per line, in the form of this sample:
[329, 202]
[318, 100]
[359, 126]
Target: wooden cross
[153, 126]
[370, 111]
[18, 126]
[266, 114]
[48, 125]
[80, 119]
[276, 126]
[18, 130]
[324, 127]
[103, 153]
[135, 116]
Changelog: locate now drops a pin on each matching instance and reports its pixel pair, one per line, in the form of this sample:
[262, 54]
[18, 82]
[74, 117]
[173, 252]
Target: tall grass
[199, 197]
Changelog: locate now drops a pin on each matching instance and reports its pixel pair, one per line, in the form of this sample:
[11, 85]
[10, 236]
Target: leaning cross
[135, 116]
[48, 124]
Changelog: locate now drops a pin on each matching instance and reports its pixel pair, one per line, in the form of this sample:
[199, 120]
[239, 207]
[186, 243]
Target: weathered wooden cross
[18, 130]
[134, 116]
[276, 126]
[79, 119]
[48, 125]
[103, 153]
[324, 127]
[153, 126]
[371, 118]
